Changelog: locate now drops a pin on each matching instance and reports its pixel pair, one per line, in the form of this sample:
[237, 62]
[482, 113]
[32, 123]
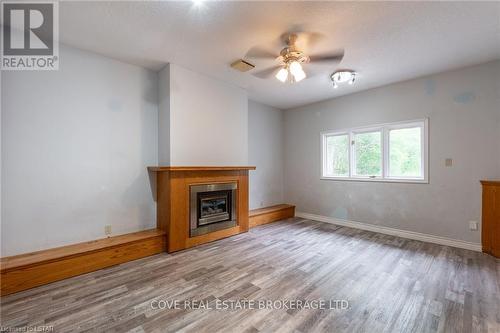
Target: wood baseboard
[270, 214]
[34, 269]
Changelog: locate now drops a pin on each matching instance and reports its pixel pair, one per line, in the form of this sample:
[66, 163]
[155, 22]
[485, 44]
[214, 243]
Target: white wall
[266, 151]
[208, 120]
[164, 116]
[463, 108]
[75, 147]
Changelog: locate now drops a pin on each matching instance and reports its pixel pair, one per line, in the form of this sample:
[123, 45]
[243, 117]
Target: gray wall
[75, 147]
[265, 151]
[464, 123]
[208, 120]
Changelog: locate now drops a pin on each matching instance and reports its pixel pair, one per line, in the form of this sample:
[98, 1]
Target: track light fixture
[342, 77]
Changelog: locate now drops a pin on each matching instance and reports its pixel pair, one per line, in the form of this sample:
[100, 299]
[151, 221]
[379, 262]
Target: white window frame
[384, 129]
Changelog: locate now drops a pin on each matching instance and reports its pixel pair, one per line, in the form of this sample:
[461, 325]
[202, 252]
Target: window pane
[337, 155]
[405, 152]
[368, 154]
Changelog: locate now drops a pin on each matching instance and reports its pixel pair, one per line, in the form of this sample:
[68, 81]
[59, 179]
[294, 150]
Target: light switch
[448, 162]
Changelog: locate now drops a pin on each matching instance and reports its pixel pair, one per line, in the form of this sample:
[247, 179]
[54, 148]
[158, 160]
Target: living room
[250, 166]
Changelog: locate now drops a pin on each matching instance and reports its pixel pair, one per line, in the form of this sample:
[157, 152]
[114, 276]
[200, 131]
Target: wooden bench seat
[33, 269]
[270, 214]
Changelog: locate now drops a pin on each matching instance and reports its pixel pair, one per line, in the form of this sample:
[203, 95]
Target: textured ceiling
[385, 42]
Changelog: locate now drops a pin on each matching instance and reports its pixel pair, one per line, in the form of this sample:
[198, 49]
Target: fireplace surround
[221, 197]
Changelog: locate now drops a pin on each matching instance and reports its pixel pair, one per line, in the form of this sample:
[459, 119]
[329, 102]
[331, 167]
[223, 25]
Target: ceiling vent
[242, 66]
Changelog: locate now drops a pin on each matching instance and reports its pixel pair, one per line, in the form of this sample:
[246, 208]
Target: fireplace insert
[212, 207]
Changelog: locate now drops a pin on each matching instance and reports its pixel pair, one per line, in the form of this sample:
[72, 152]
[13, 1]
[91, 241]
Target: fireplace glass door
[214, 207]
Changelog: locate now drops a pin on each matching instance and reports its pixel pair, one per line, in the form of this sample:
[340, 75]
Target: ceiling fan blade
[260, 53]
[327, 57]
[313, 71]
[306, 41]
[266, 73]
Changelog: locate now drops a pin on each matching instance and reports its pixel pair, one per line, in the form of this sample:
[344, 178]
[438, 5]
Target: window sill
[378, 180]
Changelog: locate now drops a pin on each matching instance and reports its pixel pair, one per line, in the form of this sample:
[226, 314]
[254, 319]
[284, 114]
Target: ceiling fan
[291, 59]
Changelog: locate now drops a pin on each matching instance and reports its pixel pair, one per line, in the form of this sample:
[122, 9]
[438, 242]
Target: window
[338, 155]
[389, 152]
[405, 152]
[367, 157]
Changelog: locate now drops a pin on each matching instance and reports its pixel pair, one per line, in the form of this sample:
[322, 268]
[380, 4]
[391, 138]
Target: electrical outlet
[107, 229]
[473, 225]
[448, 162]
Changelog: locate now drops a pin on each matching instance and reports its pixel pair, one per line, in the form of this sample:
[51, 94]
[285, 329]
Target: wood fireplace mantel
[173, 196]
[199, 168]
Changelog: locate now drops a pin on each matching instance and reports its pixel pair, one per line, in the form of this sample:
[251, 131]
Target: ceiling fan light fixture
[295, 67]
[299, 75]
[296, 70]
[282, 74]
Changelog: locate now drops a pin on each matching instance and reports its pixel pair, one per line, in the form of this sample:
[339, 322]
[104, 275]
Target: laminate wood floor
[391, 285]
